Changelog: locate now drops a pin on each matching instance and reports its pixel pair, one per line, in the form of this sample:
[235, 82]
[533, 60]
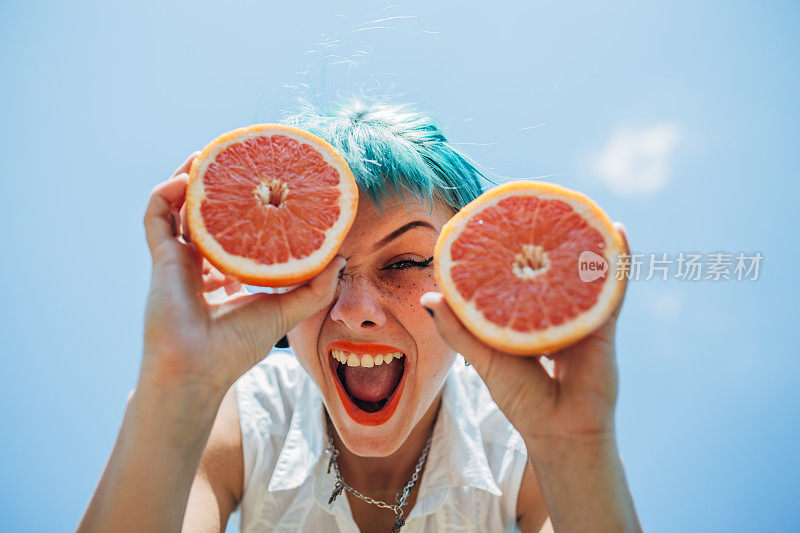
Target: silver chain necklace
[401, 498]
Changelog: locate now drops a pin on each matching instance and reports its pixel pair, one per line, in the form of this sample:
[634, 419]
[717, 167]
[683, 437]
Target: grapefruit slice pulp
[509, 265]
[269, 204]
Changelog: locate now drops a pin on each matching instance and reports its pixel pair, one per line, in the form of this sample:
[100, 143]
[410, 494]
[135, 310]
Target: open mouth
[369, 379]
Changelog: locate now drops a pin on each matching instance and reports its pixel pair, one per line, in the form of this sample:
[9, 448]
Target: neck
[382, 477]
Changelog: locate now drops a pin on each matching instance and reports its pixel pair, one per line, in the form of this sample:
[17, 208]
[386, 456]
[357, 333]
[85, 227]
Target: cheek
[405, 290]
[435, 355]
[403, 293]
[432, 368]
[303, 339]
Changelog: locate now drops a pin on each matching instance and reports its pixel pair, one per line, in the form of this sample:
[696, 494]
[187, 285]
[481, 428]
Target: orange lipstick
[360, 416]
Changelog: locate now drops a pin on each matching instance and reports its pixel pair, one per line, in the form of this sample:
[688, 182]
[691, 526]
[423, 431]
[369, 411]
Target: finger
[620, 227]
[213, 279]
[176, 265]
[493, 366]
[303, 301]
[184, 221]
[232, 286]
[183, 229]
[589, 365]
[454, 333]
[268, 317]
[222, 295]
[186, 165]
[166, 199]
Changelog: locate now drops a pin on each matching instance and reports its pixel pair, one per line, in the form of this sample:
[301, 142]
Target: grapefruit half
[269, 204]
[509, 263]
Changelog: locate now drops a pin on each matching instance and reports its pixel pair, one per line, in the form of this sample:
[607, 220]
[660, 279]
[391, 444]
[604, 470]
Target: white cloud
[636, 161]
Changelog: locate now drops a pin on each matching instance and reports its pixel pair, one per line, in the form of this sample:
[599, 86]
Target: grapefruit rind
[553, 338]
[247, 270]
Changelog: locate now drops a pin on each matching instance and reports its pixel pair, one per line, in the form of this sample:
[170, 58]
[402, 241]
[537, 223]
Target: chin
[372, 391]
[367, 441]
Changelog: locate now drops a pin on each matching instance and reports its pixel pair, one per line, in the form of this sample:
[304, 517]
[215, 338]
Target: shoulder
[257, 406]
[267, 393]
[218, 482]
[250, 425]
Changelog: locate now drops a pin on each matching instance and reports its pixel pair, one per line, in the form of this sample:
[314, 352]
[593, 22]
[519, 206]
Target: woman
[375, 405]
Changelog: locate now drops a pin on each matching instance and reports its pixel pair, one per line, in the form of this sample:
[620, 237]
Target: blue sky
[680, 119]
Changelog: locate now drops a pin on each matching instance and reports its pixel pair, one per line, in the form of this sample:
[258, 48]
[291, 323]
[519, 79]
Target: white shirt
[470, 482]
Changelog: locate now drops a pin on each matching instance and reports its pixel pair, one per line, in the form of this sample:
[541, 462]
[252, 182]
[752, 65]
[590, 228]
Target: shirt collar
[457, 457]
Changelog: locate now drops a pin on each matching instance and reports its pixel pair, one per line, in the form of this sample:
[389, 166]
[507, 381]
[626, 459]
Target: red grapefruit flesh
[509, 266]
[269, 204]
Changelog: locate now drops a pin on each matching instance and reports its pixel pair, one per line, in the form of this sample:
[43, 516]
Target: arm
[592, 476]
[218, 486]
[215, 490]
[145, 485]
[566, 420]
[583, 486]
[531, 509]
[193, 352]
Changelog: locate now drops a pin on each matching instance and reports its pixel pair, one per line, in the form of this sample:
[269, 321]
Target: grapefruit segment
[270, 204]
[508, 265]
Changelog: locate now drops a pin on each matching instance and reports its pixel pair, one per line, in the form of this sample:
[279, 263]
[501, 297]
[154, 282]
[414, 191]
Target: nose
[358, 305]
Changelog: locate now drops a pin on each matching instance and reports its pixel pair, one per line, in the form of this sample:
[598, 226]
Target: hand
[575, 403]
[191, 336]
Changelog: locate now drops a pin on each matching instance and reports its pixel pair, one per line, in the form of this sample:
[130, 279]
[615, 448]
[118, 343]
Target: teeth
[339, 356]
[364, 359]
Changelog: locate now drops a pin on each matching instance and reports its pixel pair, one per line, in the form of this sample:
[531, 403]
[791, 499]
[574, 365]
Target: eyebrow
[403, 229]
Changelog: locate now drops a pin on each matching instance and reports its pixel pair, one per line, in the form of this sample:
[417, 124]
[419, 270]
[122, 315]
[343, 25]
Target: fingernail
[430, 311]
[430, 297]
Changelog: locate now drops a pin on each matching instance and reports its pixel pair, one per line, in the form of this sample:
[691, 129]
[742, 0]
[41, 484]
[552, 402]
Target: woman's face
[395, 361]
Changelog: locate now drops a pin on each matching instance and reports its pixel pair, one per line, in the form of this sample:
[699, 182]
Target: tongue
[373, 384]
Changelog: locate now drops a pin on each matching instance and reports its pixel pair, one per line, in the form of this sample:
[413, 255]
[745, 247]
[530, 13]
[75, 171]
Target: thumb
[305, 300]
[455, 334]
[266, 318]
[498, 370]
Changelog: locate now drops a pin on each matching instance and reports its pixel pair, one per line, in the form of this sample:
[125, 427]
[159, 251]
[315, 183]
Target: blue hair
[394, 148]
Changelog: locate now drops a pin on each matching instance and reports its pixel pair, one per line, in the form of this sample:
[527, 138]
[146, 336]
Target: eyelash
[409, 263]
